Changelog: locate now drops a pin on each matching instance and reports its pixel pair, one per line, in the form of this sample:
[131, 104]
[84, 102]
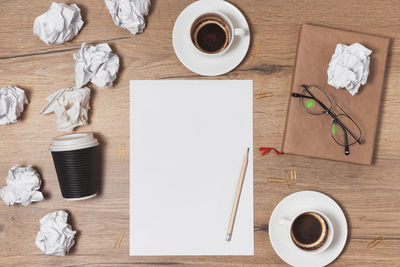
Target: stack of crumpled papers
[129, 14]
[22, 187]
[56, 236]
[59, 24]
[349, 67]
[12, 100]
[71, 106]
[96, 64]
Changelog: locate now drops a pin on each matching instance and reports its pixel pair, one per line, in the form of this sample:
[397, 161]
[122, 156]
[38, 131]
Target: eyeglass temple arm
[346, 140]
[346, 144]
[331, 113]
[300, 95]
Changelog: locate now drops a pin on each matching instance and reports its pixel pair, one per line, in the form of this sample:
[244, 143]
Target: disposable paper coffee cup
[75, 160]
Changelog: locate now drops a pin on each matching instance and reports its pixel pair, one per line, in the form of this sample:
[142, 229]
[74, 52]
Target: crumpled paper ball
[96, 64]
[59, 24]
[22, 187]
[129, 14]
[56, 236]
[71, 106]
[349, 67]
[12, 100]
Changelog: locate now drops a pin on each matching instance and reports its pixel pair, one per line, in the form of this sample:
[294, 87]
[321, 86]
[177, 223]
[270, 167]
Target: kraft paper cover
[310, 135]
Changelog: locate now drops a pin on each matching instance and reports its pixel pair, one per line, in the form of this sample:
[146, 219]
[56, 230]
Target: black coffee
[211, 37]
[307, 229]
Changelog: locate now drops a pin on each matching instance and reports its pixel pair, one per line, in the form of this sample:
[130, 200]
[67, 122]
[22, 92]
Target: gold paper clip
[291, 180]
[119, 240]
[122, 153]
[375, 242]
[256, 49]
[277, 180]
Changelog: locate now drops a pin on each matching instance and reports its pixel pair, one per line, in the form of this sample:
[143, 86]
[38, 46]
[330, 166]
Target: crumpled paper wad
[56, 236]
[59, 24]
[349, 67]
[71, 106]
[12, 100]
[22, 187]
[96, 64]
[129, 14]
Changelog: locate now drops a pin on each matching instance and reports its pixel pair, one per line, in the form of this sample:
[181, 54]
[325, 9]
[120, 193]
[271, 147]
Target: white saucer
[203, 64]
[295, 203]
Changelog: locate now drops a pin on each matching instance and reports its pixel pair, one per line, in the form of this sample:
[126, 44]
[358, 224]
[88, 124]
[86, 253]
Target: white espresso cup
[212, 33]
[310, 231]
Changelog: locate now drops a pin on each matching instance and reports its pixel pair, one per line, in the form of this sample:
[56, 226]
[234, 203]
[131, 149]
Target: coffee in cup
[310, 231]
[213, 33]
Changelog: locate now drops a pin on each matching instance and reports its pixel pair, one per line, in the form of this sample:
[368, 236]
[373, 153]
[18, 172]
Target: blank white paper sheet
[187, 144]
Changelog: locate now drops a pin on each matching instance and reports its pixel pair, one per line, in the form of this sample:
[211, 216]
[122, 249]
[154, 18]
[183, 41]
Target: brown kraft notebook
[310, 135]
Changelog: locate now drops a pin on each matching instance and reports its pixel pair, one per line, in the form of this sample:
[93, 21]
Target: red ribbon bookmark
[265, 151]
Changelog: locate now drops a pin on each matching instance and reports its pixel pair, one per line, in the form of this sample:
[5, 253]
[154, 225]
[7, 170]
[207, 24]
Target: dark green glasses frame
[335, 119]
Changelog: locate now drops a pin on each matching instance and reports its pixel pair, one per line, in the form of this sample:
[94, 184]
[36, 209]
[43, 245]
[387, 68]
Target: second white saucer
[293, 204]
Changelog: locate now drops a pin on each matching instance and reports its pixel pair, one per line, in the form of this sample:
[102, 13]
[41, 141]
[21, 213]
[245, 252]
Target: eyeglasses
[344, 129]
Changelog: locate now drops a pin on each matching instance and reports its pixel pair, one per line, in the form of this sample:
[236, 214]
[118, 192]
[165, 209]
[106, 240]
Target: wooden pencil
[237, 196]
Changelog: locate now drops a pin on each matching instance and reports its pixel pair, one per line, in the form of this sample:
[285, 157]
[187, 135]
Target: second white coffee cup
[326, 236]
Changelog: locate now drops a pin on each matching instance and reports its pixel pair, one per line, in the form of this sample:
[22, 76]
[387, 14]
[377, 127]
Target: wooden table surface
[369, 195]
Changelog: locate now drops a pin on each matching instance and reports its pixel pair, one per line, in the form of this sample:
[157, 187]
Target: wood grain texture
[369, 195]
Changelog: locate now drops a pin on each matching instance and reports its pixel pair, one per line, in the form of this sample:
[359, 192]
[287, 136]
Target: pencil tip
[248, 149]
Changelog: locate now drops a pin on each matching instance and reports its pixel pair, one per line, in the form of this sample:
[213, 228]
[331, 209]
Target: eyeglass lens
[311, 105]
[338, 133]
